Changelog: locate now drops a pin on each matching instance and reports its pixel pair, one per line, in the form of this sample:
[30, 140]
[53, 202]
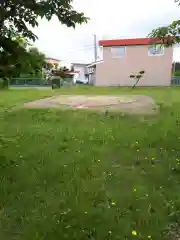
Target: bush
[1, 83]
[177, 74]
[4, 83]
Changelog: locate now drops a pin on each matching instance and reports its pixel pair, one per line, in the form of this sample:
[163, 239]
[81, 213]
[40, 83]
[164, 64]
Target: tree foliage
[28, 61]
[62, 72]
[176, 66]
[10, 59]
[170, 34]
[16, 16]
[33, 62]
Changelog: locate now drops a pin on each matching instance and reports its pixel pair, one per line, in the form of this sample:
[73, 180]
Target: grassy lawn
[83, 175]
[12, 98]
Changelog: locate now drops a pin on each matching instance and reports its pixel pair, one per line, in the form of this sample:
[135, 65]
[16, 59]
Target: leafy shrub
[4, 83]
[1, 83]
[177, 74]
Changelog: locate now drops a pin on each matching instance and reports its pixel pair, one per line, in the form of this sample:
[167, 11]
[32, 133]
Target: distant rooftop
[85, 64]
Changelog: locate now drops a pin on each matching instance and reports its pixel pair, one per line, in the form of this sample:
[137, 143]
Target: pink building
[122, 58]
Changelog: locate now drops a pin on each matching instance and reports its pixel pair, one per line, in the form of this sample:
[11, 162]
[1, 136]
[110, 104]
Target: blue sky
[108, 20]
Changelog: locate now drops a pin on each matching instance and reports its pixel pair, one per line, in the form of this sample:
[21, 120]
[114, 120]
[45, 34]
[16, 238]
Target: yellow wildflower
[134, 233]
[113, 203]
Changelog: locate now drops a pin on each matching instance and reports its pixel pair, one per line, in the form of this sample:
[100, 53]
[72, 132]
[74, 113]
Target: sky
[113, 19]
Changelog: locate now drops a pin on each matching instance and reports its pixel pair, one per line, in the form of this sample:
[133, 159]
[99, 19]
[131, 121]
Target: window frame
[155, 55]
[119, 55]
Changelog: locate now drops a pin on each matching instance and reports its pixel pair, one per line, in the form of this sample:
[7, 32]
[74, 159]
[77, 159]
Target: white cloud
[108, 19]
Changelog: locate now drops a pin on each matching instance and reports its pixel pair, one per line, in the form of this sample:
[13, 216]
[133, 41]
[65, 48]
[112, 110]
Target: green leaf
[15, 18]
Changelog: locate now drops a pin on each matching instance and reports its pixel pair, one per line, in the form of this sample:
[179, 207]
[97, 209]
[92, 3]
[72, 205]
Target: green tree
[27, 61]
[11, 61]
[168, 34]
[33, 63]
[16, 16]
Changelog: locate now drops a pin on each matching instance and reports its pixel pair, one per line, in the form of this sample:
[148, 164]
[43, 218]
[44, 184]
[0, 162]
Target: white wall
[81, 75]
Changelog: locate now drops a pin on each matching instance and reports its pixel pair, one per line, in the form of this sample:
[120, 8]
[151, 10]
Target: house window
[91, 70]
[156, 50]
[117, 52]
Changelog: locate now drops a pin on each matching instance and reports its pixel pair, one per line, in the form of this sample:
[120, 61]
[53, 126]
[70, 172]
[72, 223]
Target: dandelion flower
[68, 226]
[113, 203]
[110, 232]
[134, 233]
[134, 190]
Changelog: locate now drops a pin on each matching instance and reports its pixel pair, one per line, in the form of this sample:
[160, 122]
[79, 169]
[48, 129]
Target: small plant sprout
[137, 77]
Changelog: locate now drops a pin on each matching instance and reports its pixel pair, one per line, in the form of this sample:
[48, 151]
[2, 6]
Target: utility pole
[95, 48]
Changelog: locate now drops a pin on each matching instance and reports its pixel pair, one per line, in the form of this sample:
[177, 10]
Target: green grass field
[82, 175]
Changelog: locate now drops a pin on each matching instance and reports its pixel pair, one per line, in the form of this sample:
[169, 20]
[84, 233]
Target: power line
[81, 49]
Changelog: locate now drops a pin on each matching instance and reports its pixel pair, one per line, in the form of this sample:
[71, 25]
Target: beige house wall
[116, 71]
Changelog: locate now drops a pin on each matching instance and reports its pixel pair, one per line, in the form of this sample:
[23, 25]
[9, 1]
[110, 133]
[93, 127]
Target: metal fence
[27, 82]
[41, 82]
[175, 81]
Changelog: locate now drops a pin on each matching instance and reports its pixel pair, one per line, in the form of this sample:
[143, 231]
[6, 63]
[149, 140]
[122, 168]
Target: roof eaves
[130, 42]
[94, 63]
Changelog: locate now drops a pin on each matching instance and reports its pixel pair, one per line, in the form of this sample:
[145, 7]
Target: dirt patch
[127, 104]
